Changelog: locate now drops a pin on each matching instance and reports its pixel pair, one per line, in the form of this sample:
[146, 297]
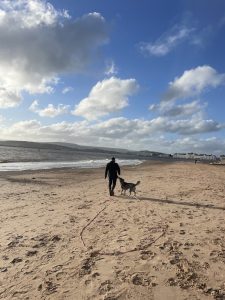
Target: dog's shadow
[171, 202]
[127, 197]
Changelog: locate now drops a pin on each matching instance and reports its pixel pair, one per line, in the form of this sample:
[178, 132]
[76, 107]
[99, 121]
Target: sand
[63, 237]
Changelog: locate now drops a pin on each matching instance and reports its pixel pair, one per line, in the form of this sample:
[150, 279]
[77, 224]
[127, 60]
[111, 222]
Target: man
[112, 170]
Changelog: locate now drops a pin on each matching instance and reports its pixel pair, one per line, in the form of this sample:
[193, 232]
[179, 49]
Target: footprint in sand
[15, 241]
[60, 275]
[105, 287]
[87, 264]
[143, 279]
[16, 260]
[147, 254]
[49, 287]
[5, 257]
[188, 245]
[3, 269]
[72, 219]
[31, 253]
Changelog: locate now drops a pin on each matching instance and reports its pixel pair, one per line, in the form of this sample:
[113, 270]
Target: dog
[128, 186]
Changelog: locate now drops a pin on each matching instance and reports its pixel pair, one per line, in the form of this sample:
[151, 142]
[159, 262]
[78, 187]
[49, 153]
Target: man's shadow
[173, 202]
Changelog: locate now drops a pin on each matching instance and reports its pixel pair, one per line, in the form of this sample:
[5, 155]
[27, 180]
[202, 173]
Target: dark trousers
[112, 183]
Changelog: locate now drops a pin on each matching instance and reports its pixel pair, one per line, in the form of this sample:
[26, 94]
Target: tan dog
[128, 186]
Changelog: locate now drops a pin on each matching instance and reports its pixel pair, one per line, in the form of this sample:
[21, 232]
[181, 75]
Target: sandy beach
[63, 237]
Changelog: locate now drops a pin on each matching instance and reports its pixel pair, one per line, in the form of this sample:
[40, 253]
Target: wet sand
[63, 237]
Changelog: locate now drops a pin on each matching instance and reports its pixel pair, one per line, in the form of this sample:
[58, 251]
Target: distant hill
[82, 147]
[75, 148]
[110, 150]
[25, 144]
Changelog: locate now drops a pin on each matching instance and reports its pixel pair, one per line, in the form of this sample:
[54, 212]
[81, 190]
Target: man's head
[113, 159]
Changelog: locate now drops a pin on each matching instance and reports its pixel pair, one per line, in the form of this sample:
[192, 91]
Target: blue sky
[132, 74]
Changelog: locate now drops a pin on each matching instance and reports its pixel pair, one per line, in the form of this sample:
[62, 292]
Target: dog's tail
[138, 182]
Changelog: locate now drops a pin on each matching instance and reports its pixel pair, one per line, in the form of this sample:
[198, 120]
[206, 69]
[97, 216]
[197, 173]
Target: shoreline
[51, 165]
[69, 168]
[143, 164]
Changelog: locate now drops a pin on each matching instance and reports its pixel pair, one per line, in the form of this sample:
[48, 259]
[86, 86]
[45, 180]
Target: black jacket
[112, 169]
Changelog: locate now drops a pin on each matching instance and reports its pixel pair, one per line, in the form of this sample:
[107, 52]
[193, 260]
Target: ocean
[21, 159]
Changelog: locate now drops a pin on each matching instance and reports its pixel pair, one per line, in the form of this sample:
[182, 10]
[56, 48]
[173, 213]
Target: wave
[24, 166]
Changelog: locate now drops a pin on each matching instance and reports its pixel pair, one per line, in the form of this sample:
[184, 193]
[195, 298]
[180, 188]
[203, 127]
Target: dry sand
[63, 237]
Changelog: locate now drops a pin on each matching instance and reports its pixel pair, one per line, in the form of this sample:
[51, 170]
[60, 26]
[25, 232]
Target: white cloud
[107, 96]
[2, 119]
[193, 82]
[49, 111]
[137, 128]
[29, 13]
[9, 98]
[212, 145]
[192, 126]
[118, 132]
[39, 43]
[111, 68]
[67, 89]
[168, 41]
[169, 109]
[183, 110]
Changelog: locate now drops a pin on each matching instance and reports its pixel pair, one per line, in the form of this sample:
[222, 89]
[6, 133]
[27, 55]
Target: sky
[140, 75]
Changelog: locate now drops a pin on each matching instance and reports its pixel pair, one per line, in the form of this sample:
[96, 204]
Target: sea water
[23, 158]
[43, 165]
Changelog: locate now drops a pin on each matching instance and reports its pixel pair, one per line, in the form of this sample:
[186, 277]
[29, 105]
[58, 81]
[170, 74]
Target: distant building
[164, 155]
[222, 158]
[209, 157]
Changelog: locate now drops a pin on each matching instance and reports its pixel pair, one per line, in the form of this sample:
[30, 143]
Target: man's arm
[118, 170]
[106, 170]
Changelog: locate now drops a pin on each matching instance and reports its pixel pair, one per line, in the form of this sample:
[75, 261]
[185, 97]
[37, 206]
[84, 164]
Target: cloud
[212, 145]
[67, 89]
[49, 111]
[39, 43]
[193, 82]
[9, 98]
[169, 109]
[115, 132]
[29, 13]
[111, 68]
[183, 110]
[154, 134]
[192, 126]
[168, 41]
[107, 96]
[137, 128]
[2, 119]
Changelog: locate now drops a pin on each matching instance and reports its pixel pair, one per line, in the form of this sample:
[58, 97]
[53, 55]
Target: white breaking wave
[23, 166]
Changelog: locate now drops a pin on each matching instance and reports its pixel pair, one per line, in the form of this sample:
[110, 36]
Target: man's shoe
[111, 193]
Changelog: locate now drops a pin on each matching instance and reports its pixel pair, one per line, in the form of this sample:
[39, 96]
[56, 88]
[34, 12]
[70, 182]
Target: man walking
[112, 170]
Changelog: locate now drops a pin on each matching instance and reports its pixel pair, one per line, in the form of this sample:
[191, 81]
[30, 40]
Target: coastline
[51, 165]
[63, 237]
